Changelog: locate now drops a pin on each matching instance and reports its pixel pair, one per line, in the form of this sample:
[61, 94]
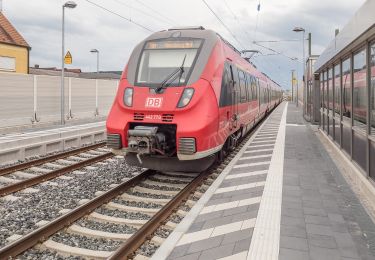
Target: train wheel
[220, 156]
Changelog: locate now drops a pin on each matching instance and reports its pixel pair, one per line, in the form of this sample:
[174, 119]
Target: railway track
[128, 221]
[28, 174]
[145, 191]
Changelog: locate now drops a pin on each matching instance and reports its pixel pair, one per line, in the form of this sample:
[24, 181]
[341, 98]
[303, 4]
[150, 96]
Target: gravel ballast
[86, 242]
[20, 216]
[107, 227]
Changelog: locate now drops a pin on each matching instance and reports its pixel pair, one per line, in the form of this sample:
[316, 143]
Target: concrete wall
[19, 53]
[35, 99]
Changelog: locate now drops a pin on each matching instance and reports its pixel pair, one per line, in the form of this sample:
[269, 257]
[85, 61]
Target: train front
[165, 113]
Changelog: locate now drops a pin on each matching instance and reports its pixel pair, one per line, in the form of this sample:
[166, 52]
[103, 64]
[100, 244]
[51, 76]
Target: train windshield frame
[159, 58]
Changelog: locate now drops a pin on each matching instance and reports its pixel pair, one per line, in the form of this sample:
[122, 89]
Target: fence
[35, 99]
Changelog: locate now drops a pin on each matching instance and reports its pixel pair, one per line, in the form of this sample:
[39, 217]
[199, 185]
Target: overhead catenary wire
[165, 17]
[120, 16]
[131, 7]
[237, 20]
[223, 24]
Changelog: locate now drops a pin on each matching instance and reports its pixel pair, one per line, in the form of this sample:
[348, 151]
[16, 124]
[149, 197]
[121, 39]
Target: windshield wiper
[177, 73]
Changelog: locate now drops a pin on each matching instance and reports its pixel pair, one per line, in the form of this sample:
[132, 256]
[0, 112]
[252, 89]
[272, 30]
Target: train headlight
[128, 97]
[186, 97]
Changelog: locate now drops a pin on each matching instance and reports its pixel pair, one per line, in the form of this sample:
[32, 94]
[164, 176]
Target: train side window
[236, 85]
[226, 88]
[253, 88]
[249, 83]
[242, 84]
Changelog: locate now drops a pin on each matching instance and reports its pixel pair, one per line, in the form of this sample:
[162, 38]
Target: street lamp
[71, 5]
[96, 81]
[300, 29]
[97, 60]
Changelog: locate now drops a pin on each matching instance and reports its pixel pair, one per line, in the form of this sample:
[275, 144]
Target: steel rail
[41, 234]
[25, 165]
[50, 175]
[127, 250]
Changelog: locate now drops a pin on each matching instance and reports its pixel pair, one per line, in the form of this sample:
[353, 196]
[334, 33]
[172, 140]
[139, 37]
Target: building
[14, 50]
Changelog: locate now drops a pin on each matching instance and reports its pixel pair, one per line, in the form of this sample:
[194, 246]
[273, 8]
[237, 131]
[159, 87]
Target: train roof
[210, 38]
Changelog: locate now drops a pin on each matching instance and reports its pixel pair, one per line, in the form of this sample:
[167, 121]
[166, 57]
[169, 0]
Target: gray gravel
[86, 242]
[185, 208]
[147, 249]
[108, 227]
[138, 204]
[153, 178]
[163, 232]
[122, 214]
[157, 187]
[20, 216]
[34, 254]
[176, 218]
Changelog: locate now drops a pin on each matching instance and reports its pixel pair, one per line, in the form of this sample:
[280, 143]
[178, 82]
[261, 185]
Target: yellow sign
[68, 58]
[294, 81]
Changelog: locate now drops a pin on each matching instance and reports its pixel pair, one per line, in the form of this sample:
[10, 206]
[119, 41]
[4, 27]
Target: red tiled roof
[9, 34]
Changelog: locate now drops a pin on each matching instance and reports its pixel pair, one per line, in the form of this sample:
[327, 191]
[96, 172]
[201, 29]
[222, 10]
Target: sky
[89, 27]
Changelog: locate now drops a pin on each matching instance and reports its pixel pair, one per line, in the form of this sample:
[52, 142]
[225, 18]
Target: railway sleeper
[104, 219]
[143, 199]
[148, 211]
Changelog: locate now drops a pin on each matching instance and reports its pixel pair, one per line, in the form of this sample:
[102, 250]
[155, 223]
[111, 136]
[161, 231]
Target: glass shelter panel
[372, 97]
[330, 91]
[337, 89]
[337, 103]
[359, 89]
[346, 88]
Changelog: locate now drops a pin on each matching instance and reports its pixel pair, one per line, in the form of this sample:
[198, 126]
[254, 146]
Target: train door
[235, 97]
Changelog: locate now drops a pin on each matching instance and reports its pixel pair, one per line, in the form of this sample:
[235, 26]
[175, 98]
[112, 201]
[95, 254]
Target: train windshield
[160, 59]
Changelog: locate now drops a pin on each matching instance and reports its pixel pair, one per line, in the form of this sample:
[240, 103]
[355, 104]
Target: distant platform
[282, 197]
[30, 143]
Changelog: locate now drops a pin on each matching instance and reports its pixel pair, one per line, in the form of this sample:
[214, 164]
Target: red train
[185, 98]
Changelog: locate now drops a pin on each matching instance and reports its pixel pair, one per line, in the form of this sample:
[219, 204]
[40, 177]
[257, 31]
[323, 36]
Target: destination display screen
[185, 44]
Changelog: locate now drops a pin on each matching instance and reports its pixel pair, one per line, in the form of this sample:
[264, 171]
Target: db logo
[154, 102]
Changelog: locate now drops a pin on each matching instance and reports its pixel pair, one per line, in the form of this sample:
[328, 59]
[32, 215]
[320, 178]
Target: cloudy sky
[88, 26]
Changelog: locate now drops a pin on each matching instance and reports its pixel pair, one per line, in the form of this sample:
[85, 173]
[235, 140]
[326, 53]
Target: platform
[282, 197]
[18, 146]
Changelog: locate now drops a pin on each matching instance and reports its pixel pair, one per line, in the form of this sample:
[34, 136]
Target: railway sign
[68, 58]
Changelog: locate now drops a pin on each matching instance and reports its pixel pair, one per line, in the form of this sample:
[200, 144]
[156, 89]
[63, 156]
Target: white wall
[35, 99]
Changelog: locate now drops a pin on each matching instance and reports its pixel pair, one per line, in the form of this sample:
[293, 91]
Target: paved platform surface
[282, 197]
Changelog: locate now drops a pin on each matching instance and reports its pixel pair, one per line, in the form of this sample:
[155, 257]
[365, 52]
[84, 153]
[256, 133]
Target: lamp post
[296, 77]
[300, 29]
[292, 85]
[96, 82]
[69, 4]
